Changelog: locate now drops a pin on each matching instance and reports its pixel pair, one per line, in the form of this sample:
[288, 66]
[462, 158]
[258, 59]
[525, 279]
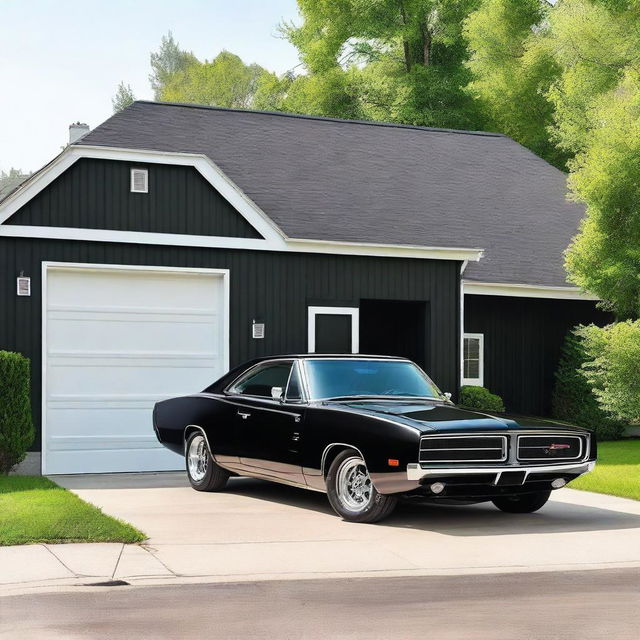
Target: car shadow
[455, 520]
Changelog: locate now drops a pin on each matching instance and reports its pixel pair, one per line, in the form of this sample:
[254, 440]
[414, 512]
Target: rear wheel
[204, 474]
[351, 492]
[522, 504]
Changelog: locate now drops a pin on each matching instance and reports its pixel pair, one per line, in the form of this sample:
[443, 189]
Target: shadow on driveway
[464, 520]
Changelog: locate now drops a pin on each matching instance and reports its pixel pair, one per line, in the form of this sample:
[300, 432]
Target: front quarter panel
[378, 439]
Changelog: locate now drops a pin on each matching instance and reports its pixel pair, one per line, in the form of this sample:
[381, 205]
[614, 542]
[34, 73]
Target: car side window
[261, 380]
[294, 390]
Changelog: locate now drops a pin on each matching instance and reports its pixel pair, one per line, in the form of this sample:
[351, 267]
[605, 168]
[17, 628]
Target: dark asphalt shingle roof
[327, 179]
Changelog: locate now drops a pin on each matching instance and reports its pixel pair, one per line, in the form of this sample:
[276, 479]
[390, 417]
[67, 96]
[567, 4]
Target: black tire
[374, 509]
[527, 503]
[215, 477]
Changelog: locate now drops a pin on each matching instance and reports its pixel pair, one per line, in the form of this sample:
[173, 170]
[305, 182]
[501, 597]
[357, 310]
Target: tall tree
[168, 60]
[398, 60]
[225, 81]
[513, 69]
[123, 97]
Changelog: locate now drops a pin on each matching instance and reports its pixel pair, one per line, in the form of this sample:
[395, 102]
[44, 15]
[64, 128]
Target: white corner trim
[354, 312]
[524, 291]
[274, 239]
[67, 266]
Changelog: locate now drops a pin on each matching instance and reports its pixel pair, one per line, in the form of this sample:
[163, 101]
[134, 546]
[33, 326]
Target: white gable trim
[274, 238]
[524, 291]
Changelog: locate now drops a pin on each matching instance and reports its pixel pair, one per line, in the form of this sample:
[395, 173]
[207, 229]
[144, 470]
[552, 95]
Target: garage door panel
[69, 334]
[117, 341]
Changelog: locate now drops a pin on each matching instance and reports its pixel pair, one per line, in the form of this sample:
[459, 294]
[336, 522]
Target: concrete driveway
[256, 530]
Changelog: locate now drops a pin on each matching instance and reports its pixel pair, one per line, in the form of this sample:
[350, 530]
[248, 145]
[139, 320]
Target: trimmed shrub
[16, 426]
[480, 398]
[573, 398]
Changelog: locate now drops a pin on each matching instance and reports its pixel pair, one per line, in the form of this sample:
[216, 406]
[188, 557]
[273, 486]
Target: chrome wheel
[353, 485]
[198, 458]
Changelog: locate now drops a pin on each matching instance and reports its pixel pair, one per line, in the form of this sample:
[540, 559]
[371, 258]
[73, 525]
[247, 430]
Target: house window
[473, 359]
[139, 181]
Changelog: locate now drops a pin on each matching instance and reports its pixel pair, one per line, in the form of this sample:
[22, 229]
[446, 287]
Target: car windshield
[348, 378]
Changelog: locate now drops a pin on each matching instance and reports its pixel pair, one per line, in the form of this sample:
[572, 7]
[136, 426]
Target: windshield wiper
[379, 397]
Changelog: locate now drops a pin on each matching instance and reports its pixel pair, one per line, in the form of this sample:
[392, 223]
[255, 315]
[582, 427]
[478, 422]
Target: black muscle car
[365, 430]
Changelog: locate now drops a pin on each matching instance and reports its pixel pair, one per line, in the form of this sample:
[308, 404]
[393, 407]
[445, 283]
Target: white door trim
[354, 312]
[69, 266]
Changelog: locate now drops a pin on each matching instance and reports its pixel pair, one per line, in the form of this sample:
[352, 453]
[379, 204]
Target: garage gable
[96, 193]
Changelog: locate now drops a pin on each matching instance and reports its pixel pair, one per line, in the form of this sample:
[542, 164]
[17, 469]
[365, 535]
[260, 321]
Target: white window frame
[146, 180]
[354, 312]
[474, 382]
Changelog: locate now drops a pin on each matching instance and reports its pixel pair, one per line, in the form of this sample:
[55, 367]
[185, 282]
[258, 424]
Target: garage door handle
[244, 416]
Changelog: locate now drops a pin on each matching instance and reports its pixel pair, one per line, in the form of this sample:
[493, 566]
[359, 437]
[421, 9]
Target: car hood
[430, 416]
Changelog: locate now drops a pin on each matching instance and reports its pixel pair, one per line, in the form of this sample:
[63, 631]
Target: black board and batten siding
[522, 343]
[274, 287]
[96, 194]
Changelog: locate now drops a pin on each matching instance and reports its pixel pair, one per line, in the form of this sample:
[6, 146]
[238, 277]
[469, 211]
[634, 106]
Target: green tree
[225, 81]
[168, 60]
[9, 180]
[573, 399]
[612, 369]
[513, 69]
[396, 60]
[123, 97]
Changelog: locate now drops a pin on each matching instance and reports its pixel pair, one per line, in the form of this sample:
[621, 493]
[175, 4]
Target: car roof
[331, 356]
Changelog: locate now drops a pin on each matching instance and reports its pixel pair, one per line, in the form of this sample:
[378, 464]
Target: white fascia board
[388, 250]
[524, 291]
[274, 238]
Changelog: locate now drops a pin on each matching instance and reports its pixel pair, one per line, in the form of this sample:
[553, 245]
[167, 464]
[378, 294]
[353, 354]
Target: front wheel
[522, 504]
[351, 492]
[204, 474]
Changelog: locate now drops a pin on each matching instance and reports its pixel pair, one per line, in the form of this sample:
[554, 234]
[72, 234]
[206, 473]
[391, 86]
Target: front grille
[549, 447]
[489, 448]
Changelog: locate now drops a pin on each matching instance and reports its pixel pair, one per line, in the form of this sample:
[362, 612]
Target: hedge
[16, 426]
[573, 398]
[480, 398]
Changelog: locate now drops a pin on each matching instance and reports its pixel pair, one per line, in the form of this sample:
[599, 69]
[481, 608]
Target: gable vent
[139, 181]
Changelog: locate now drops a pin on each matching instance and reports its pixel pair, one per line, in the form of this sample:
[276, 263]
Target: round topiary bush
[573, 399]
[16, 426]
[480, 398]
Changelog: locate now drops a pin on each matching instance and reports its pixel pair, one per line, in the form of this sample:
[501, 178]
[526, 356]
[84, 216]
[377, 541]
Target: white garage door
[116, 341]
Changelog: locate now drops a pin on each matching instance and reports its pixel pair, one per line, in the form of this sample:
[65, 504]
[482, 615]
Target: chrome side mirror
[277, 393]
[447, 395]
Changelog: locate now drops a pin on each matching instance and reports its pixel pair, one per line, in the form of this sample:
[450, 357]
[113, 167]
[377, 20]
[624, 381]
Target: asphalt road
[540, 606]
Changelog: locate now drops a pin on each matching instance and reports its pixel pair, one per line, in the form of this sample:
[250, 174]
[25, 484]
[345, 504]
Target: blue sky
[61, 60]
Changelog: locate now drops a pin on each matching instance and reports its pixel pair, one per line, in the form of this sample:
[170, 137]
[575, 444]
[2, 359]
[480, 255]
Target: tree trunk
[426, 45]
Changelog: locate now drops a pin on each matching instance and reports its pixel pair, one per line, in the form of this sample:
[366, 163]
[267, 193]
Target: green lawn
[34, 509]
[617, 471]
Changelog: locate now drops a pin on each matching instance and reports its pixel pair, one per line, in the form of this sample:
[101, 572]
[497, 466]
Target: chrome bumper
[417, 472]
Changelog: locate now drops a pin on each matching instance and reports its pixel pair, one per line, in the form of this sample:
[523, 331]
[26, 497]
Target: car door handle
[295, 437]
[244, 416]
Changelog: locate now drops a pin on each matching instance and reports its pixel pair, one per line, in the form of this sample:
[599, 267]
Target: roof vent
[77, 130]
[139, 181]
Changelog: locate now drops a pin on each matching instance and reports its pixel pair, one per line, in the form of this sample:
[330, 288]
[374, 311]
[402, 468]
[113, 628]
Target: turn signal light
[393, 462]
[437, 487]
[558, 483]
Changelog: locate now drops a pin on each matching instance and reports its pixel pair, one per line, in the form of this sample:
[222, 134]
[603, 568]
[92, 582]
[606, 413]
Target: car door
[270, 429]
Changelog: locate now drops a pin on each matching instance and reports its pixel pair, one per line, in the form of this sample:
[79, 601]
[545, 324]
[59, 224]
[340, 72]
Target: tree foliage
[224, 81]
[512, 69]
[400, 61]
[9, 180]
[573, 399]
[16, 427]
[612, 368]
[168, 60]
[123, 97]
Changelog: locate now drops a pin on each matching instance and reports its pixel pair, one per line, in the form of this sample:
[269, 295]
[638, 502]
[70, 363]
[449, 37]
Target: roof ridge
[302, 116]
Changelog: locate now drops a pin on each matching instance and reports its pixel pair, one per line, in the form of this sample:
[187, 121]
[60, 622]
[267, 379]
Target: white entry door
[117, 340]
